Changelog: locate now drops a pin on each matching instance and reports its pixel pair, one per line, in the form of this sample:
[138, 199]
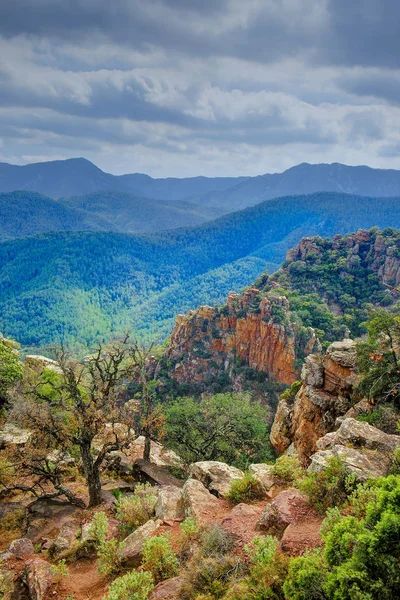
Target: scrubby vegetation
[226, 427]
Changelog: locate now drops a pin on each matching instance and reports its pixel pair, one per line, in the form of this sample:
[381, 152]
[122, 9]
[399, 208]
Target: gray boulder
[132, 546]
[216, 476]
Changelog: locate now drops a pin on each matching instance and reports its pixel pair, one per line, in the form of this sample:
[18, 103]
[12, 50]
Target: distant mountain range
[76, 177]
[82, 287]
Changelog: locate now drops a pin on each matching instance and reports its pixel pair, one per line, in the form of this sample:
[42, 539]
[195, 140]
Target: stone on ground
[216, 476]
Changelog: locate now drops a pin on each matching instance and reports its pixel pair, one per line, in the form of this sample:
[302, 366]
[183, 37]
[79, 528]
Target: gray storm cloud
[185, 87]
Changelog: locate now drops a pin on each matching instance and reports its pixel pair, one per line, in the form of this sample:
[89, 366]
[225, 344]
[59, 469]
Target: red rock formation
[250, 328]
[325, 394]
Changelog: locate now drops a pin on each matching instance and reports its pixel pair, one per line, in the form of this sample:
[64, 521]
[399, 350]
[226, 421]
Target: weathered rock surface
[132, 546]
[197, 500]
[301, 536]
[326, 393]
[290, 506]
[167, 590]
[365, 450]
[65, 538]
[38, 578]
[360, 435]
[205, 341]
[21, 547]
[242, 521]
[216, 476]
[11, 435]
[262, 472]
[160, 456]
[169, 505]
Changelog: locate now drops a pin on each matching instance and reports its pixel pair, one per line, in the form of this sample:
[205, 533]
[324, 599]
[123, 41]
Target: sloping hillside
[81, 287]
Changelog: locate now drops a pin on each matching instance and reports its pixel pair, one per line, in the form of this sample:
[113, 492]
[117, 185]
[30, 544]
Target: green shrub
[288, 470]
[268, 569]
[215, 541]
[108, 560]
[98, 528]
[134, 511]
[159, 558]
[209, 577]
[135, 585]
[59, 571]
[190, 529]
[306, 577]
[329, 487]
[245, 489]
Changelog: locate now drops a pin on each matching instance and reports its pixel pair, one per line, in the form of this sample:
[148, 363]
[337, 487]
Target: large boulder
[197, 500]
[12, 435]
[216, 476]
[38, 579]
[65, 538]
[360, 435]
[262, 472]
[288, 507]
[302, 536]
[21, 547]
[363, 463]
[167, 590]
[241, 522]
[132, 546]
[160, 456]
[169, 505]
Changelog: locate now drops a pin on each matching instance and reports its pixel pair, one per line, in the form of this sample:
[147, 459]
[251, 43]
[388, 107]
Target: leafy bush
[209, 576]
[108, 560]
[215, 541]
[330, 487]
[159, 558]
[135, 585]
[98, 528]
[190, 529]
[268, 569]
[134, 511]
[288, 470]
[59, 571]
[362, 549]
[306, 577]
[245, 489]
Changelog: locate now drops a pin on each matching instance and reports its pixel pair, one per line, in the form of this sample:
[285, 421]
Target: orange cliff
[252, 329]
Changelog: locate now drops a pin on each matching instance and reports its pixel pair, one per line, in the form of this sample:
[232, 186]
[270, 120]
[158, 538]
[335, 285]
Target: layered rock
[365, 450]
[254, 329]
[326, 393]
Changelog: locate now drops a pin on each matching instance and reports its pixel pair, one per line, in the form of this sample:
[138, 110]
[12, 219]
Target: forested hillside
[82, 287]
[30, 213]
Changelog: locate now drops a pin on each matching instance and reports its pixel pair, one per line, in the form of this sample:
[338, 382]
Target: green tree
[10, 367]
[226, 427]
[378, 358]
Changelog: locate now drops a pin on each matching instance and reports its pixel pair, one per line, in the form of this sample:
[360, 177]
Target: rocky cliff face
[250, 329]
[326, 395]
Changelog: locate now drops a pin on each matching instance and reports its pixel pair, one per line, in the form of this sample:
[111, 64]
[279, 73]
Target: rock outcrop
[132, 546]
[197, 500]
[251, 328]
[326, 393]
[365, 450]
[215, 476]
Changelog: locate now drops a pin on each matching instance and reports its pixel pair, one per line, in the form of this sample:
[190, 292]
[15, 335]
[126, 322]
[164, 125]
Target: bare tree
[69, 408]
[151, 418]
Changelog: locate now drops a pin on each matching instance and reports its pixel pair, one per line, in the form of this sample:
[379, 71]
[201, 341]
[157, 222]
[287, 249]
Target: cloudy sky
[210, 87]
